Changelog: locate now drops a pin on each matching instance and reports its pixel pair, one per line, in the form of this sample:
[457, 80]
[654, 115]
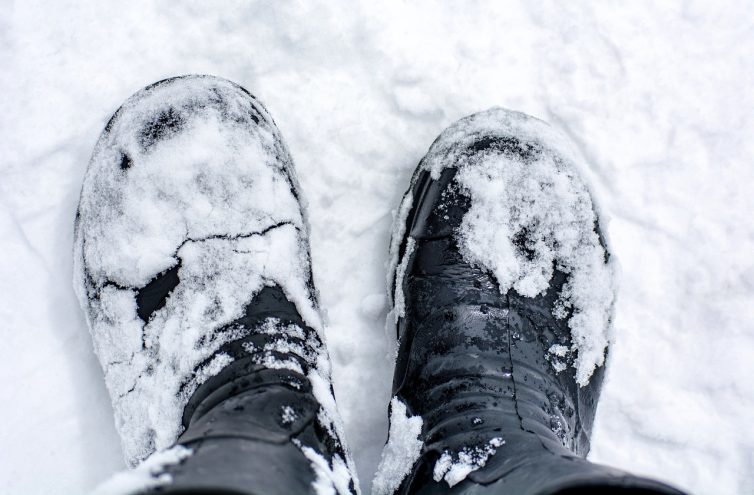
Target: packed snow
[656, 96]
[453, 467]
[557, 351]
[401, 451]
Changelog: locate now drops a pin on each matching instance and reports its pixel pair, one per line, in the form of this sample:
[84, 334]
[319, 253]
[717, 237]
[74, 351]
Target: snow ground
[658, 96]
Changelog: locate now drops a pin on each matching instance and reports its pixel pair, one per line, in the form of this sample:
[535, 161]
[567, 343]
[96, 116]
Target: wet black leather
[473, 363]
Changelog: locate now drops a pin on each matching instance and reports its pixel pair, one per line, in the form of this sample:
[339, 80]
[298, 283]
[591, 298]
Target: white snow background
[659, 97]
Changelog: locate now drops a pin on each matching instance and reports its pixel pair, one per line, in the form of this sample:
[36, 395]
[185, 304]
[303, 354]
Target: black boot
[192, 265]
[500, 355]
[255, 428]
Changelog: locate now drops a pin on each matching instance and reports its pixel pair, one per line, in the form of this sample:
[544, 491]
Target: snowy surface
[656, 95]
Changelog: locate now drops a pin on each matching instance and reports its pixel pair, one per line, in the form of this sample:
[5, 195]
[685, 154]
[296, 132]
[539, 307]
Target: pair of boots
[192, 265]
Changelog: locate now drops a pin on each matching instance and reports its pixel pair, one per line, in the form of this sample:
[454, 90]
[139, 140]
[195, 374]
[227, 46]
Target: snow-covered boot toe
[192, 266]
[503, 293]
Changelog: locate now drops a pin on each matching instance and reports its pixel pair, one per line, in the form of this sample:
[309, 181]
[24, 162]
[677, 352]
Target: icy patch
[147, 476]
[401, 451]
[454, 468]
[530, 214]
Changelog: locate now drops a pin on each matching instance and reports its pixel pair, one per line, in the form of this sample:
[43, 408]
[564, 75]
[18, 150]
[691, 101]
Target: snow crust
[531, 213]
[147, 475]
[214, 194]
[401, 451]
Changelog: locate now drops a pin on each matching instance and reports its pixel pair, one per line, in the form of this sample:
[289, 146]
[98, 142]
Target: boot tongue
[273, 346]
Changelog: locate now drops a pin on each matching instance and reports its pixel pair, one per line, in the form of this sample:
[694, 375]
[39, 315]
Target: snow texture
[399, 305]
[401, 450]
[331, 478]
[454, 467]
[533, 197]
[288, 415]
[148, 475]
[189, 173]
[557, 351]
[656, 95]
